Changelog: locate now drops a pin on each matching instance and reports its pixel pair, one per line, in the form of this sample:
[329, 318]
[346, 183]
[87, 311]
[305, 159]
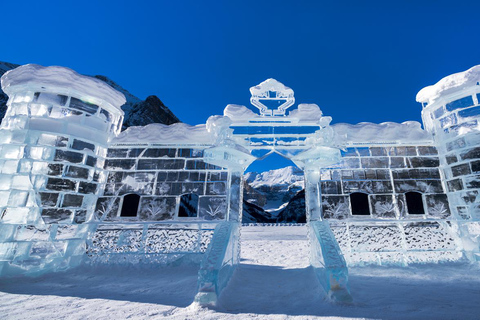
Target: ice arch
[305, 137]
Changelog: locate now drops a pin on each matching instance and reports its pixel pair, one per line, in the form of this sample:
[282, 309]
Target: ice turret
[53, 143]
[451, 112]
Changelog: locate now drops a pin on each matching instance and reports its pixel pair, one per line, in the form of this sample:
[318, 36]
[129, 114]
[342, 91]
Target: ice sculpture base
[219, 263]
[327, 260]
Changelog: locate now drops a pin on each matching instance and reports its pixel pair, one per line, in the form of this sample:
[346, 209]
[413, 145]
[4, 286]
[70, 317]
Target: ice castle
[74, 189]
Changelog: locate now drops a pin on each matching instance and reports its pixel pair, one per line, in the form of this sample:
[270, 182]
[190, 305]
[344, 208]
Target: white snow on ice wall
[161, 133]
[450, 84]
[237, 113]
[365, 132]
[32, 77]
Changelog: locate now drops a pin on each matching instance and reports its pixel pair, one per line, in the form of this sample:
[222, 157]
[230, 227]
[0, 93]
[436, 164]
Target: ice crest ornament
[272, 98]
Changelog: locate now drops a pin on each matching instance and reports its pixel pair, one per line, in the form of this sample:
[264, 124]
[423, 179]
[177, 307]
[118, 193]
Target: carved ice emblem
[272, 98]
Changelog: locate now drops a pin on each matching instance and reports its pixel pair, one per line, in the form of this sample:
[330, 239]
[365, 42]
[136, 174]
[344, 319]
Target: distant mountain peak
[283, 176]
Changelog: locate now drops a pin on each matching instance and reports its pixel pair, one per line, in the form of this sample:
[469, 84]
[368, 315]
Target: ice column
[223, 254]
[53, 142]
[326, 257]
[451, 112]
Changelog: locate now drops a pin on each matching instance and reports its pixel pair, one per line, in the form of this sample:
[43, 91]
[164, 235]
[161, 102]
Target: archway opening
[130, 205]
[274, 191]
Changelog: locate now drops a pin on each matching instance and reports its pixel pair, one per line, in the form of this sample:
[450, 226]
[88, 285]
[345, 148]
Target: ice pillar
[326, 257]
[313, 194]
[223, 254]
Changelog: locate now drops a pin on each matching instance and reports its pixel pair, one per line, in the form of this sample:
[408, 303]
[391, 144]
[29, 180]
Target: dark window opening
[359, 203]
[188, 205]
[414, 203]
[130, 205]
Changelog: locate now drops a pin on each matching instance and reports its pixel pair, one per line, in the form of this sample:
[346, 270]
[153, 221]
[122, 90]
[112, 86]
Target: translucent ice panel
[39, 110]
[460, 103]
[253, 130]
[439, 112]
[448, 120]
[81, 145]
[96, 123]
[18, 198]
[46, 125]
[89, 108]
[105, 115]
[471, 112]
[9, 166]
[50, 98]
[11, 152]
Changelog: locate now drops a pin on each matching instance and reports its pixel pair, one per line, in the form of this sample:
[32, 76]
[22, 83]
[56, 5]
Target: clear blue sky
[358, 60]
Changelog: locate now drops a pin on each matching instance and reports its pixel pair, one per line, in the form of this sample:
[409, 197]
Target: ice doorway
[274, 191]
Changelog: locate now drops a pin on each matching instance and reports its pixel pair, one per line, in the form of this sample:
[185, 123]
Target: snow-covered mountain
[137, 112]
[287, 176]
[272, 191]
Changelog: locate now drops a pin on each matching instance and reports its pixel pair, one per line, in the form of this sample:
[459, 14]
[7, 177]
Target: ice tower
[451, 112]
[54, 139]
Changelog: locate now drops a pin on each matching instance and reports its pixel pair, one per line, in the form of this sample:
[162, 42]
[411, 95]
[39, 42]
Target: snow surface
[274, 281]
[364, 132]
[450, 84]
[59, 80]
[175, 133]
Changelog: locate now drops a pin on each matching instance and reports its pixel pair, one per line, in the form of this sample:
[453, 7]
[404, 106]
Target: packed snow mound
[450, 84]
[284, 176]
[367, 132]
[33, 76]
[161, 133]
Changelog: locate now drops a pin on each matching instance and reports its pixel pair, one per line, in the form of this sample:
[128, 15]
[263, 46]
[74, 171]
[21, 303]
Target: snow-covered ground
[274, 281]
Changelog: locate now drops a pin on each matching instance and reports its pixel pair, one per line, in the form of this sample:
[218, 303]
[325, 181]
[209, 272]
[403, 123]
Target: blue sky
[358, 60]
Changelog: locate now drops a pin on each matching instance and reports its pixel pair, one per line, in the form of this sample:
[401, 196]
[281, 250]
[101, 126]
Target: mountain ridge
[274, 196]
